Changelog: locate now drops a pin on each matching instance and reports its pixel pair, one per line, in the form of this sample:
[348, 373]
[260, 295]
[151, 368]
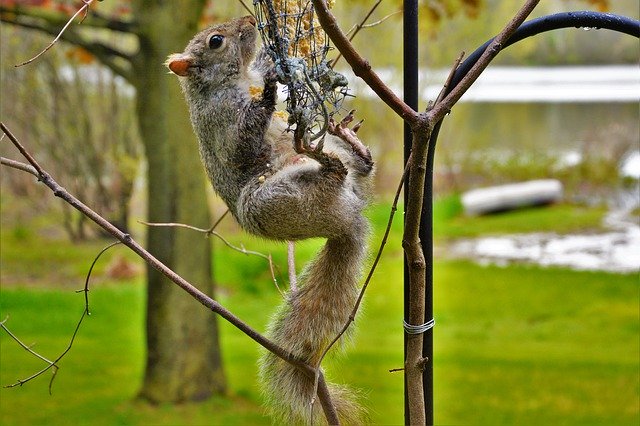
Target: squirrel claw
[348, 135]
[347, 119]
[357, 126]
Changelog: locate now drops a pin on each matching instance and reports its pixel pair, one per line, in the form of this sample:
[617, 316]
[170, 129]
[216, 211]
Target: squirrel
[281, 193]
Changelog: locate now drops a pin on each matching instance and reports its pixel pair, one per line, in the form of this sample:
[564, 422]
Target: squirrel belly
[280, 194]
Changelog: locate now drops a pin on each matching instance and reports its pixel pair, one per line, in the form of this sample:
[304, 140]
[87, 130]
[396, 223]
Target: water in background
[578, 124]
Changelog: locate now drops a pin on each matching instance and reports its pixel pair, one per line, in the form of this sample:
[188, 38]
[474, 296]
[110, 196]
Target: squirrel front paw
[270, 76]
[270, 92]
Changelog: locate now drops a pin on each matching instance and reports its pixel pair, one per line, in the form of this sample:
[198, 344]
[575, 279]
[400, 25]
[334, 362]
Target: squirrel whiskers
[278, 193]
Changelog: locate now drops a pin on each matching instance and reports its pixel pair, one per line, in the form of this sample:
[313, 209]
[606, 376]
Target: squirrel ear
[178, 64]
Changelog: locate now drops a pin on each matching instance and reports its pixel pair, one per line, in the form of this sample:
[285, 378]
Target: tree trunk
[183, 361]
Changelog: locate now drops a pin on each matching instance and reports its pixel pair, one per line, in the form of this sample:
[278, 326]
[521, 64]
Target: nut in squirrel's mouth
[179, 64]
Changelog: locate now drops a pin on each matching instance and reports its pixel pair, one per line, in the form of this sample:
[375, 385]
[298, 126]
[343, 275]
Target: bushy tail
[306, 323]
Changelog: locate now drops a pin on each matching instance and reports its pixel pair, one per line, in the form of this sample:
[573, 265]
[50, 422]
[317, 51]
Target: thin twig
[356, 307]
[201, 297]
[241, 249]
[217, 222]
[54, 364]
[177, 225]
[371, 25]
[291, 266]
[440, 110]
[361, 67]
[23, 345]
[86, 281]
[449, 79]
[39, 170]
[244, 5]
[18, 165]
[84, 9]
[356, 28]
[50, 364]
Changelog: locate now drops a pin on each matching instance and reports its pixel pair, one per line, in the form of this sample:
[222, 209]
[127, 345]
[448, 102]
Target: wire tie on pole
[418, 329]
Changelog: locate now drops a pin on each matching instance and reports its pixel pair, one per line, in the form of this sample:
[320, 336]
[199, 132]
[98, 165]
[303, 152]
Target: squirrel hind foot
[348, 135]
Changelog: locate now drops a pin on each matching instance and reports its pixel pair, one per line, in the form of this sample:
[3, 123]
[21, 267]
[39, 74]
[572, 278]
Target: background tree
[121, 64]
[132, 40]
[98, 159]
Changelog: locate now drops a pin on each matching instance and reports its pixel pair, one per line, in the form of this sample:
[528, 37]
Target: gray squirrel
[280, 193]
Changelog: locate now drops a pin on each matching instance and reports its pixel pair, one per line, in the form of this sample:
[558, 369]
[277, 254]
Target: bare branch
[24, 346]
[416, 260]
[177, 225]
[126, 239]
[244, 5]
[23, 151]
[325, 401]
[94, 20]
[210, 231]
[449, 79]
[356, 28]
[217, 222]
[360, 66]
[54, 364]
[50, 364]
[83, 9]
[442, 108]
[108, 55]
[18, 165]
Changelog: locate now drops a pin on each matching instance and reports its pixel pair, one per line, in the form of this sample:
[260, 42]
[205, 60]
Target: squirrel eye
[215, 41]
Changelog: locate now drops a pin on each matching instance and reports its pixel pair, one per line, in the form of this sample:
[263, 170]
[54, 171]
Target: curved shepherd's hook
[580, 19]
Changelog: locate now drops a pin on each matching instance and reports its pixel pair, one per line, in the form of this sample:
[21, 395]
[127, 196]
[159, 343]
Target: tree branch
[325, 401]
[54, 364]
[106, 54]
[422, 126]
[416, 260]
[360, 66]
[356, 28]
[83, 10]
[442, 108]
[417, 270]
[93, 20]
[18, 165]
[241, 249]
[126, 239]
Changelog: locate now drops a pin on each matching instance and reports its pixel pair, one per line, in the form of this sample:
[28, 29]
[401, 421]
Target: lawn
[518, 344]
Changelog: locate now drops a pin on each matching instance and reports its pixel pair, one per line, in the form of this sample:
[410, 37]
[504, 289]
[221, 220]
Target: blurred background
[536, 309]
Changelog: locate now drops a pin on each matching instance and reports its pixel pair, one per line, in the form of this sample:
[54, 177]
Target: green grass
[512, 345]
[449, 222]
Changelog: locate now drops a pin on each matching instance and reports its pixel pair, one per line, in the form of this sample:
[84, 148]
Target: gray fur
[278, 194]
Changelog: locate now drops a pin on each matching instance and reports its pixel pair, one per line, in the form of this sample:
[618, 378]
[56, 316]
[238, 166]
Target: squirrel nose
[250, 19]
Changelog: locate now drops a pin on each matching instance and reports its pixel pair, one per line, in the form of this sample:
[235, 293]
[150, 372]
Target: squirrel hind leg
[363, 161]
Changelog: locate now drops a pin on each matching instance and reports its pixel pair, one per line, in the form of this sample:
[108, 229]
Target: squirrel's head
[220, 53]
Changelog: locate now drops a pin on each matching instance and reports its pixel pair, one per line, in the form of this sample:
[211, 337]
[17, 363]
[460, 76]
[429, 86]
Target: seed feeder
[298, 46]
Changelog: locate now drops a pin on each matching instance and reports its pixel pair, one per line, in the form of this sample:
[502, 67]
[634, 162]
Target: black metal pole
[580, 19]
[411, 92]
